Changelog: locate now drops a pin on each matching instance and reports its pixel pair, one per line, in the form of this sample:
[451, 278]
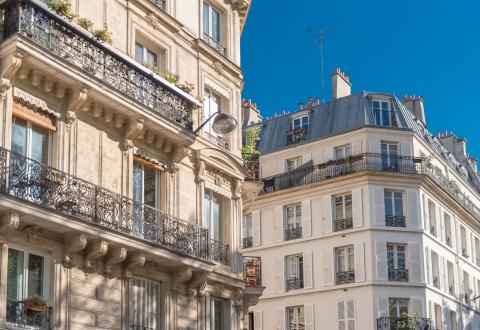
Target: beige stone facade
[115, 213]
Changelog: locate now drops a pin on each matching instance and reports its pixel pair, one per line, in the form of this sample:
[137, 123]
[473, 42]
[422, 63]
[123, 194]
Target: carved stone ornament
[152, 267]
[217, 65]
[33, 233]
[153, 21]
[219, 289]
[199, 283]
[73, 244]
[10, 222]
[10, 67]
[77, 99]
[182, 275]
[136, 261]
[132, 129]
[237, 189]
[237, 298]
[114, 257]
[95, 250]
[199, 171]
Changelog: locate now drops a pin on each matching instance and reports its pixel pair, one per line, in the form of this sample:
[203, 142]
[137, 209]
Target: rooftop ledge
[34, 20]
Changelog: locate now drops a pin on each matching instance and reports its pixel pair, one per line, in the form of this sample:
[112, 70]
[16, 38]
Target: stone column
[3, 283]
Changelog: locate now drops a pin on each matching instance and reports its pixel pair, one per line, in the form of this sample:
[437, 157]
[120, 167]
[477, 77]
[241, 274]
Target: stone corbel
[179, 153]
[199, 284]
[77, 99]
[237, 298]
[132, 129]
[95, 250]
[237, 189]
[199, 171]
[136, 261]
[173, 168]
[10, 66]
[33, 233]
[10, 222]
[114, 257]
[182, 276]
[73, 244]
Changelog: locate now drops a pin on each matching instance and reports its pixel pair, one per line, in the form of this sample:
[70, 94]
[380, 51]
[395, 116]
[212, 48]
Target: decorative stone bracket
[198, 285]
[135, 261]
[33, 233]
[95, 250]
[10, 222]
[10, 66]
[133, 128]
[114, 257]
[73, 244]
[76, 101]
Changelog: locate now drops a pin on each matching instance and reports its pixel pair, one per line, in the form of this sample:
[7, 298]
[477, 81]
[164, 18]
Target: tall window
[448, 229]
[293, 221]
[394, 209]
[294, 271]
[451, 278]
[383, 113]
[346, 315]
[300, 122]
[146, 56]
[295, 318]
[30, 140]
[389, 155]
[247, 231]
[463, 241]
[453, 320]
[345, 264]
[218, 314]
[432, 218]
[293, 163]
[145, 304]
[477, 251]
[343, 212]
[466, 287]
[211, 22]
[396, 262]
[145, 186]
[211, 105]
[398, 307]
[343, 152]
[212, 214]
[435, 270]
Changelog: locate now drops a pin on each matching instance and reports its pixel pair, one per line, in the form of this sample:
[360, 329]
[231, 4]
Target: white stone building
[366, 220]
[115, 212]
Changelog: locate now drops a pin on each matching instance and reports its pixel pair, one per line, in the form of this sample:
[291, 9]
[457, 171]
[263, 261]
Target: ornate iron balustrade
[403, 323]
[247, 242]
[252, 271]
[45, 186]
[162, 4]
[345, 277]
[293, 233]
[395, 221]
[63, 39]
[251, 164]
[217, 140]
[294, 284]
[21, 315]
[215, 44]
[398, 275]
[343, 224]
[297, 135]
[219, 251]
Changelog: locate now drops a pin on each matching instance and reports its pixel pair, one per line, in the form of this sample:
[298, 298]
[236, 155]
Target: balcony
[215, 44]
[217, 140]
[162, 4]
[395, 221]
[247, 242]
[297, 135]
[293, 233]
[294, 284]
[251, 164]
[343, 224]
[252, 271]
[102, 62]
[403, 323]
[41, 185]
[219, 252]
[345, 277]
[398, 275]
[24, 315]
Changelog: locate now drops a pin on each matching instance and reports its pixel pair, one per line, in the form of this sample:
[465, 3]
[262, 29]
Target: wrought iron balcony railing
[45, 186]
[398, 275]
[293, 233]
[252, 271]
[247, 242]
[217, 140]
[403, 323]
[162, 4]
[343, 224]
[80, 49]
[345, 277]
[395, 221]
[22, 315]
[215, 44]
[251, 164]
[297, 135]
[219, 251]
[294, 284]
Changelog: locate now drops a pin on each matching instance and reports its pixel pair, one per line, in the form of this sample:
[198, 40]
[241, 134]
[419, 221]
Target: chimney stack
[341, 85]
[415, 105]
[250, 113]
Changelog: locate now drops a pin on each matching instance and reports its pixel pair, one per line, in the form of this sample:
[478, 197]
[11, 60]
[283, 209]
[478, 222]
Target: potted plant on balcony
[85, 23]
[171, 77]
[103, 34]
[186, 87]
[35, 303]
[61, 8]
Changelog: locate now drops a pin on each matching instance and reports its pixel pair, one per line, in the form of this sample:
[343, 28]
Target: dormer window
[383, 113]
[300, 122]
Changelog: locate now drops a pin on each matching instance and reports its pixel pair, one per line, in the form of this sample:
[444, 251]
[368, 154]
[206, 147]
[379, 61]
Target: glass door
[145, 196]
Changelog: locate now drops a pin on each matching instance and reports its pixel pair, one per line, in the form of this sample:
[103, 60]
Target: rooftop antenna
[319, 33]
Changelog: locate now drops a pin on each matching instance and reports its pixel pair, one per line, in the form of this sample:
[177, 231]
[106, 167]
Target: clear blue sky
[429, 48]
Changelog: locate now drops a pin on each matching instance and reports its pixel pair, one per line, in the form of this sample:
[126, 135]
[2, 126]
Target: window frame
[29, 139]
[344, 206]
[296, 312]
[384, 116]
[398, 304]
[223, 312]
[303, 122]
[343, 148]
[208, 222]
[296, 216]
[297, 161]
[209, 93]
[349, 258]
[247, 230]
[212, 9]
[160, 301]
[157, 182]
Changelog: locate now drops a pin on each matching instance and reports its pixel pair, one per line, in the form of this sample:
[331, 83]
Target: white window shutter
[381, 257]
[405, 148]
[256, 228]
[438, 232]
[280, 273]
[441, 274]
[306, 218]
[374, 146]
[429, 273]
[308, 270]
[306, 158]
[328, 154]
[378, 206]
[309, 317]
[453, 234]
[426, 218]
[382, 307]
[415, 305]
[281, 166]
[413, 211]
[281, 319]
[258, 320]
[278, 227]
[357, 207]
[356, 147]
[351, 317]
[359, 256]
[328, 266]
[341, 315]
[327, 216]
[414, 265]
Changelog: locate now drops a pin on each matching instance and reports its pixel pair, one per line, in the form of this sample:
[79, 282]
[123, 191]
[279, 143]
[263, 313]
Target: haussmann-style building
[366, 220]
[116, 212]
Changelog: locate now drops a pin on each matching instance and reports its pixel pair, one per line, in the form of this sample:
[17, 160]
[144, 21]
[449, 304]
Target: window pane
[348, 206]
[398, 204]
[215, 224]
[351, 259]
[19, 136]
[217, 314]
[35, 275]
[149, 181]
[137, 182]
[388, 203]
[39, 144]
[152, 58]
[206, 19]
[385, 106]
[338, 208]
[341, 260]
[15, 275]
[138, 52]
[215, 25]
